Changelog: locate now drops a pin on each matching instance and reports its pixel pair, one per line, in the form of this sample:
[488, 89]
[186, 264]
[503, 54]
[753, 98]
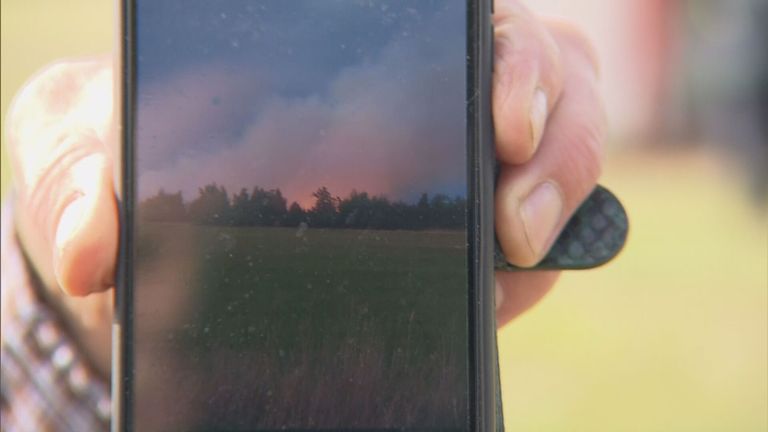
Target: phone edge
[482, 321]
[124, 92]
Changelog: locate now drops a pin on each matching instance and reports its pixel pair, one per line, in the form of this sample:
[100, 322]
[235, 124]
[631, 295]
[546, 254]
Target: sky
[347, 94]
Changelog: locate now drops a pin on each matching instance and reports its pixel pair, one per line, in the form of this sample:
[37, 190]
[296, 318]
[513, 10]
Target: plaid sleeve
[45, 382]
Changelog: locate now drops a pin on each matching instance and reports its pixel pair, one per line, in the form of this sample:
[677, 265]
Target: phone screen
[301, 255]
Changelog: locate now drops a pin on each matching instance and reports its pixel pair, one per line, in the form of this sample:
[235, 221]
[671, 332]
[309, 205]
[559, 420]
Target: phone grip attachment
[593, 236]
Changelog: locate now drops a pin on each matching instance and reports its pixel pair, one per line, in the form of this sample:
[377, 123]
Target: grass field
[347, 327]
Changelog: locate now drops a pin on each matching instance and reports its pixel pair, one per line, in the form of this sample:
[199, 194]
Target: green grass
[347, 326]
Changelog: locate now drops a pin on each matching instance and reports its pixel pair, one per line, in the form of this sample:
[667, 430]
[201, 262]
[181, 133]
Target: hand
[63, 142]
[549, 122]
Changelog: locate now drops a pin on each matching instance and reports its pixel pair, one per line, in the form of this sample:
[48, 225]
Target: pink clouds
[178, 115]
[395, 126]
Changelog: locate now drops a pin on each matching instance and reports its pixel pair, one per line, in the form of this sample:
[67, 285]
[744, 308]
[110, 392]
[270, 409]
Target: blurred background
[671, 336]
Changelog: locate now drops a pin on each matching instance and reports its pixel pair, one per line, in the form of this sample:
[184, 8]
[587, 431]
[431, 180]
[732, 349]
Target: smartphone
[306, 198]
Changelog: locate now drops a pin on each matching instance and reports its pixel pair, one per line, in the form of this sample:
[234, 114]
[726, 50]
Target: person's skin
[63, 145]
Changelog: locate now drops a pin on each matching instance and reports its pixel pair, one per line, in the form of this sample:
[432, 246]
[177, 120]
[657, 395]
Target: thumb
[68, 219]
[66, 214]
[84, 237]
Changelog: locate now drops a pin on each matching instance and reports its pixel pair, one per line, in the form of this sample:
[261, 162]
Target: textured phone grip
[595, 234]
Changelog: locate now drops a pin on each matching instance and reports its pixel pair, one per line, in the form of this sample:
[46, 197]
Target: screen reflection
[301, 257]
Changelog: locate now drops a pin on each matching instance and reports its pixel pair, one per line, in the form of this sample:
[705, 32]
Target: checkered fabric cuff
[46, 383]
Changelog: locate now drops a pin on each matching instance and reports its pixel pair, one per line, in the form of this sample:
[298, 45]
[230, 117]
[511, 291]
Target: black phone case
[486, 414]
[593, 236]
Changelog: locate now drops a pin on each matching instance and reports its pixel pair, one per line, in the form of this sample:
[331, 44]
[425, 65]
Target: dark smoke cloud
[393, 125]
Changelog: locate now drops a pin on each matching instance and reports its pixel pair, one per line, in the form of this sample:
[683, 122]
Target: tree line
[262, 207]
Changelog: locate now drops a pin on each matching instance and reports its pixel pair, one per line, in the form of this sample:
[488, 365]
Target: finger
[66, 211]
[527, 81]
[535, 200]
[516, 292]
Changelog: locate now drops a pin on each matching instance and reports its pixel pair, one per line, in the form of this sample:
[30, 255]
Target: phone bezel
[483, 383]
[481, 156]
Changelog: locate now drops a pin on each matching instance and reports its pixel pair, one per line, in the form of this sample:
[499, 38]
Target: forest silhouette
[268, 208]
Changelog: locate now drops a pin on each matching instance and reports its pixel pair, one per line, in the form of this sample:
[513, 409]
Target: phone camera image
[301, 253]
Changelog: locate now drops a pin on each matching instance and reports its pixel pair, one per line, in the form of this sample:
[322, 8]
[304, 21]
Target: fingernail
[499, 295]
[540, 213]
[538, 116]
[69, 223]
